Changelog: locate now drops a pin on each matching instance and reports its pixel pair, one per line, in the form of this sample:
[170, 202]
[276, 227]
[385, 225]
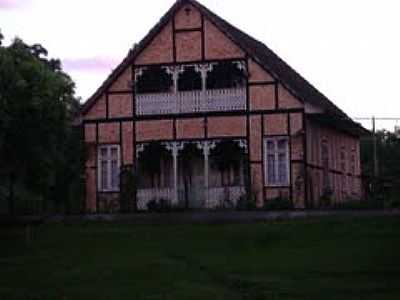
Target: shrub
[278, 203]
[128, 188]
[326, 198]
[359, 204]
[393, 202]
[246, 203]
[159, 205]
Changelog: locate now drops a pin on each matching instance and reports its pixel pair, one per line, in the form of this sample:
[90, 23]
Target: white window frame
[275, 141]
[109, 187]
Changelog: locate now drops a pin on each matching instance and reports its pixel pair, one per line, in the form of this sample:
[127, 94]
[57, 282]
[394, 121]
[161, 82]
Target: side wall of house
[344, 174]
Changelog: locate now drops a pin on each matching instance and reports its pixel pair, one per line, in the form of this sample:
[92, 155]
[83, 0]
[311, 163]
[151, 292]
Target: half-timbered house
[207, 116]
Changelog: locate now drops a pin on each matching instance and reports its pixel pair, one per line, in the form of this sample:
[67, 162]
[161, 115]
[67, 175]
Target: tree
[38, 143]
[388, 152]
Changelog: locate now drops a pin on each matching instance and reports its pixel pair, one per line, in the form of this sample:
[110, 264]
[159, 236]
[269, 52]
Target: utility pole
[375, 154]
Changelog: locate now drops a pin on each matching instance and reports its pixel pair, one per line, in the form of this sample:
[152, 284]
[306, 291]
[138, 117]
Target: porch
[192, 175]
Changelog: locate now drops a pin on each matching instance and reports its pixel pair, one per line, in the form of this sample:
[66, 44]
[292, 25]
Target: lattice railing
[144, 196]
[191, 101]
[218, 197]
[224, 197]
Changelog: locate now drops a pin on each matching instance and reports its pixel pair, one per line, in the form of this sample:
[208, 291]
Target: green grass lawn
[336, 258]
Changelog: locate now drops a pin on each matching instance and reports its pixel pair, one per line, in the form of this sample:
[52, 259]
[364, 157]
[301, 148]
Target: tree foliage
[387, 184]
[39, 147]
[388, 153]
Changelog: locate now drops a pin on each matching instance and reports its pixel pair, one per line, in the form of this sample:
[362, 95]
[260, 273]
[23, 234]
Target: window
[276, 158]
[109, 164]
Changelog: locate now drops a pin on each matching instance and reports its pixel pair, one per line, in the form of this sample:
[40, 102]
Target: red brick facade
[272, 111]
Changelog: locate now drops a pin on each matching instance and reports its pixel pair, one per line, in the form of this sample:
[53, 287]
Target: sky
[348, 49]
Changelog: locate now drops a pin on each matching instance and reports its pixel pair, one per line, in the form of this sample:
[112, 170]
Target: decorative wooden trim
[173, 39]
[320, 168]
[256, 161]
[121, 144]
[262, 156]
[262, 83]
[96, 164]
[277, 187]
[203, 39]
[297, 161]
[119, 92]
[205, 120]
[221, 138]
[108, 144]
[134, 160]
[275, 135]
[191, 62]
[194, 115]
[133, 91]
[107, 107]
[109, 193]
[183, 30]
[174, 130]
[248, 157]
[289, 129]
[305, 155]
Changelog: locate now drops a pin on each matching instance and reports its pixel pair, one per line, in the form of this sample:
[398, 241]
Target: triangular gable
[159, 50]
[293, 82]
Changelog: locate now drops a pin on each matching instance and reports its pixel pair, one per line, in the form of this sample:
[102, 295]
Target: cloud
[12, 4]
[89, 64]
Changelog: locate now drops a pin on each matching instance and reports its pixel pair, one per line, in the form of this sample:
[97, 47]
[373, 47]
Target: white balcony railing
[219, 197]
[225, 197]
[144, 196]
[191, 102]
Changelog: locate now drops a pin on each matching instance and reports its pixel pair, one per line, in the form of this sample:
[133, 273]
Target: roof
[255, 49]
[339, 123]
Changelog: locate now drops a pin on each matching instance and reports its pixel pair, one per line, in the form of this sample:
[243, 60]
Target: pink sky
[347, 49]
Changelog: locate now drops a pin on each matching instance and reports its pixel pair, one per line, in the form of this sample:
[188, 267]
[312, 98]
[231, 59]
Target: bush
[246, 203]
[393, 199]
[359, 204]
[159, 205]
[326, 198]
[278, 203]
[128, 188]
[393, 202]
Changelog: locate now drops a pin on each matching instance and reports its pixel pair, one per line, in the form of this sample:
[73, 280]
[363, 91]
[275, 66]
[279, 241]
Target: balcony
[191, 102]
[193, 88]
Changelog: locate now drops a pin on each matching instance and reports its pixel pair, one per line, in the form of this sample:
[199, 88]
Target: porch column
[203, 69]
[242, 143]
[175, 147]
[206, 146]
[175, 71]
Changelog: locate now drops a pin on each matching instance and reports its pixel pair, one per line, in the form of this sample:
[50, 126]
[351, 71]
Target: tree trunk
[11, 208]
